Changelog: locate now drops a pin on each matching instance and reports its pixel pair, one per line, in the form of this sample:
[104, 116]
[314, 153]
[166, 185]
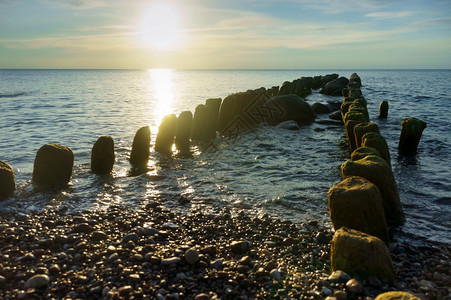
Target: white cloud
[390, 14]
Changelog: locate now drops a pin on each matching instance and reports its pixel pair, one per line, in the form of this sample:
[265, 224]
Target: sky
[225, 34]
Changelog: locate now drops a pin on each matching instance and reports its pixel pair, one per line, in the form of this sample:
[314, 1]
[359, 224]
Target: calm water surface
[268, 170]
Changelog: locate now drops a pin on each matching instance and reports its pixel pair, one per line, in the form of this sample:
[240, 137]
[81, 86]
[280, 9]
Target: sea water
[265, 170]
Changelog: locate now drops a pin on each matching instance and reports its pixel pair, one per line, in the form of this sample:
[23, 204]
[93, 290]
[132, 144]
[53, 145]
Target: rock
[289, 125]
[170, 261]
[217, 263]
[102, 155]
[166, 134]
[202, 297]
[378, 142]
[334, 87]
[396, 295]
[411, 131]
[37, 281]
[130, 237]
[327, 78]
[361, 129]
[239, 247]
[363, 152]
[383, 109]
[191, 256]
[140, 148]
[360, 254]
[376, 170]
[336, 115]
[83, 228]
[290, 107]
[357, 203]
[7, 180]
[354, 286]
[275, 274]
[319, 108]
[183, 131]
[53, 165]
[98, 235]
[125, 290]
[339, 276]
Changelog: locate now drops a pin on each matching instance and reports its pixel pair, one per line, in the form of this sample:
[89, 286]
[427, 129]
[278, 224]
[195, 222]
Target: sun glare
[161, 27]
[162, 85]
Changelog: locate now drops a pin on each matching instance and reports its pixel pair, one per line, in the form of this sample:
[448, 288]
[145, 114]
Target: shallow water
[268, 170]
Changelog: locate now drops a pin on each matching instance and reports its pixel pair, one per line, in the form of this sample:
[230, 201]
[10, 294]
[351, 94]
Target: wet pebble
[37, 281]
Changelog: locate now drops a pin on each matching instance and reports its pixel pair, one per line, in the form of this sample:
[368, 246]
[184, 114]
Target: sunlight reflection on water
[161, 81]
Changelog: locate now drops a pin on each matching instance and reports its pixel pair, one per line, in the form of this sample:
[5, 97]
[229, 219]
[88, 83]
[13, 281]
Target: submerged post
[411, 131]
[383, 109]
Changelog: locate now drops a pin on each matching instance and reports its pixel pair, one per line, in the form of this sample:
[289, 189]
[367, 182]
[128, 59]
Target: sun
[161, 27]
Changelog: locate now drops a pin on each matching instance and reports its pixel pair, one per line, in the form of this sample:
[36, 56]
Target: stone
[275, 274]
[376, 170]
[339, 276]
[130, 237]
[335, 87]
[98, 235]
[354, 286]
[383, 110]
[378, 142]
[183, 131]
[411, 131]
[37, 281]
[361, 129]
[53, 165]
[289, 125]
[396, 295]
[202, 297]
[140, 148]
[357, 203]
[363, 152]
[102, 155]
[327, 78]
[7, 180]
[166, 134]
[319, 108]
[336, 115]
[239, 247]
[191, 256]
[217, 263]
[361, 254]
[290, 107]
[170, 261]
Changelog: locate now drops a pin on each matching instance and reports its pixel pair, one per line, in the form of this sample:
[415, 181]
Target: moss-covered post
[140, 148]
[166, 134]
[383, 109]
[411, 131]
[102, 155]
[183, 131]
[7, 180]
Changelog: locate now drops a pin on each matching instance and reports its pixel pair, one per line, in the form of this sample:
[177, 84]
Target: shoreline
[126, 253]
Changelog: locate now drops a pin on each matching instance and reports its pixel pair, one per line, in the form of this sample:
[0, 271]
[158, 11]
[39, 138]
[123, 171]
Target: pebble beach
[154, 253]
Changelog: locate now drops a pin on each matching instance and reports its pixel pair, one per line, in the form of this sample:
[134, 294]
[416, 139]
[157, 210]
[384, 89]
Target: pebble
[98, 235]
[133, 237]
[217, 263]
[354, 286]
[275, 274]
[191, 256]
[125, 290]
[339, 277]
[327, 291]
[202, 297]
[37, 281]
[170, 261]
[239, 247]
[170, 226]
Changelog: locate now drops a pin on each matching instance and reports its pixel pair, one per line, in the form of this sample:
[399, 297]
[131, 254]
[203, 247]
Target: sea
[266, 170]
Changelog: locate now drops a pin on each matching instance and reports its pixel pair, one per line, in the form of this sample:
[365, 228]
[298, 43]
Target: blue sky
[191, 34]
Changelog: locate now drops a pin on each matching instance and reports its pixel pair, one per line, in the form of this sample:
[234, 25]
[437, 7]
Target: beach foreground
[153, 253]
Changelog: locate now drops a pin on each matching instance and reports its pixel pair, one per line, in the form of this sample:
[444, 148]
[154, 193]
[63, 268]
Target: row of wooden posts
[366, 201]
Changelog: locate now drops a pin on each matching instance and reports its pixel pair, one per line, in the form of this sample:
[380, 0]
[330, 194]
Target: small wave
[13, 95]
[443, 200]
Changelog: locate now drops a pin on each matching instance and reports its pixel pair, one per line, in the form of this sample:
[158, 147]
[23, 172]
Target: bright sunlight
[161, 27]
